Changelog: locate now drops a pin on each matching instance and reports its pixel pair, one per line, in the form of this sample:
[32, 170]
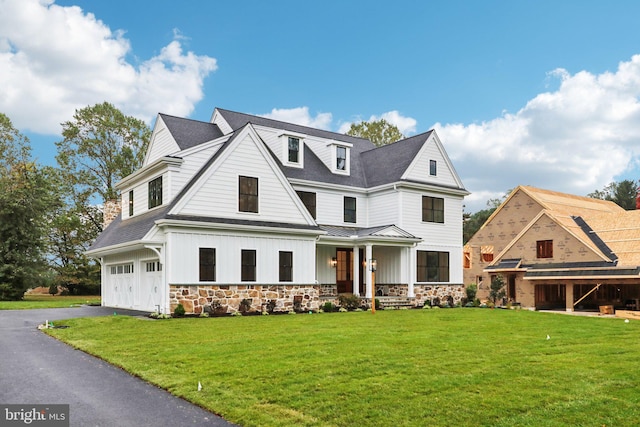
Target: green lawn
[448, 367]
[48, 301]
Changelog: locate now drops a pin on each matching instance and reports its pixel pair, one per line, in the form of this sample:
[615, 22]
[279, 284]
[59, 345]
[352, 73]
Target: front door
[344, 270]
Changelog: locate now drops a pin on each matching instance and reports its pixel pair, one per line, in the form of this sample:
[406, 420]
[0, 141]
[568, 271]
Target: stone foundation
[426, 294]
[194, 298]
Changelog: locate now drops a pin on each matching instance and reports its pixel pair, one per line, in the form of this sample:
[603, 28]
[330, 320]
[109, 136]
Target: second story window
[247, 194]
[350, 209]
[432, 209]
[433, 167]
[294, 150]
[130, 202]
[341, 158]
[155, 192]
[309, 200]
[544, 249]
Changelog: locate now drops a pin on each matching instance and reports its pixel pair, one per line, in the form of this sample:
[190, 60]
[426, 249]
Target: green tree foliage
[622, 193]
[380, 132]
[25, 196]
[100, 147]
[497, 290]
[473, 222]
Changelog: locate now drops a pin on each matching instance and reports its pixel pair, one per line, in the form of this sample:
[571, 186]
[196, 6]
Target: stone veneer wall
[427, 293]
[194, 298]
[110, 211]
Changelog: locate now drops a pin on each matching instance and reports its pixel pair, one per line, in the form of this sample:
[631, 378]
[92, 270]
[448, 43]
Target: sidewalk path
[38, 369]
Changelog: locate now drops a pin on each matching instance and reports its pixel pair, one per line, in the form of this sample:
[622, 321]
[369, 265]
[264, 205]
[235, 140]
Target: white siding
[449, 233]
[193, 162]
[455, 261]
[419, 169]
[184, 256]
[330, 208]
[391, 265]
[162, 143]
[384, 209]
[325, 272]
[217, 196]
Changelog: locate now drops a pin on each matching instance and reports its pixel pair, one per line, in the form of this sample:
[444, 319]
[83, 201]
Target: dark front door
[344, 270]
[511, 288]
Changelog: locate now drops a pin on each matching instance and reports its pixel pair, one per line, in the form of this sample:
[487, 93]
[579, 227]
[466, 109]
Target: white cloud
[300, 116]
[406, 125]
[575, 139]
[56, 59]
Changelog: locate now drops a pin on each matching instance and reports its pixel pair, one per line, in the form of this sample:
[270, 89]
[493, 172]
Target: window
[248, 194]
[122, 269]
[155, 192]
[433, 266]
[207, 264]
[309, 200]
[466, 260]
[130, 202]
[294, 150]
[153, 266]
[341, 158]
[248, 273]
[349, 209]
[487, 253]
[433, 167]
[544, 249]
[432, 209]
[286, 266]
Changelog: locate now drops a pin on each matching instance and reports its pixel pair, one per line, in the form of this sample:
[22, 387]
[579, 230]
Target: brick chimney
[111, 210]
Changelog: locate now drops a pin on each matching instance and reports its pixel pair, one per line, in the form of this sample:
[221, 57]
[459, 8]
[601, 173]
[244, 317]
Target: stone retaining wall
[194, 298]
[425, 294]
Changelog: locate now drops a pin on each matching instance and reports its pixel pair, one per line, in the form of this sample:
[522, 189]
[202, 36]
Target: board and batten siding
[184, 255]
[218, 195]
[419, 169]
[162, 144]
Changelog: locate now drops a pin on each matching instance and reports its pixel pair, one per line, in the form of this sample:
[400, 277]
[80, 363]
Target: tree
[25, 196]
[100, 147]
[496, 290]
[622, 193]
[472, 223]
[380, 132]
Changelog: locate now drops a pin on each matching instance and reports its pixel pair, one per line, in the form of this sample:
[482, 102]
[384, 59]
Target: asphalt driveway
[38, 369]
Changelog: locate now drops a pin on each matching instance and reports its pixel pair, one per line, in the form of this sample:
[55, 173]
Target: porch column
[411, 293]
[368, 254]
[569, 297]
[356, 271]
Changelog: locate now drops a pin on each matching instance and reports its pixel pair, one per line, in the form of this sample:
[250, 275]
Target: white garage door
[119, 289]
[150, 286]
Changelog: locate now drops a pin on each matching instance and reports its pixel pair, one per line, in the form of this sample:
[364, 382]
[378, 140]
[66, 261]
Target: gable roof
[188, 133]
[400, 154]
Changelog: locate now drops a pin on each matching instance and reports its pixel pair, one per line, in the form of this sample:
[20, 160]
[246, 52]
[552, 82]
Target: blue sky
[542, 93]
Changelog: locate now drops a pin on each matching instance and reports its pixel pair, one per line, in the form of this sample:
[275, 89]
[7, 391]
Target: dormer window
[155, 192]
[341, 158]
[294, 150]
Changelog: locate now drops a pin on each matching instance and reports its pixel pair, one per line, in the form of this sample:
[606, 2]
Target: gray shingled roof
[131, 230]
[388, 163]
[189, 133]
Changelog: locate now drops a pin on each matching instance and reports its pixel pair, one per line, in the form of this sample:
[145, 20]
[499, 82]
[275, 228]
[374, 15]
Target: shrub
[245, 305]
[216, 308]
[435, 302]
[349, 301]
[179, 311]
[426, 306]
[378, 305]
[271, 305]
[328, 307]
[471, 291]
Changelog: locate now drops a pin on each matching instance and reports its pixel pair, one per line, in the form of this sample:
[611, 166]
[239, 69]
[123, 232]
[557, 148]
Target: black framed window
[207, 264]
[248, 273]
[350, 209]
[341, 158]
[248, 194]
[432, 209]
[285, 266]
[155, 192]
[294, 150]
[432, 266]
[309, 200]
[433, 167]
[130, 202]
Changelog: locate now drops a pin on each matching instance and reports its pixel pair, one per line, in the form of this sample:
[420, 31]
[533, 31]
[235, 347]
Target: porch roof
[390, 233]
[611, 272]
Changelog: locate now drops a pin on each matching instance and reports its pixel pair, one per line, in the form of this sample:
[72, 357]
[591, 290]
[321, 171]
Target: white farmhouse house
[278, 214]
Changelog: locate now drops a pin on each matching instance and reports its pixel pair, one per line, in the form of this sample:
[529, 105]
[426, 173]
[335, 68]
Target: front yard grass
[48, 301]
[395, 368]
